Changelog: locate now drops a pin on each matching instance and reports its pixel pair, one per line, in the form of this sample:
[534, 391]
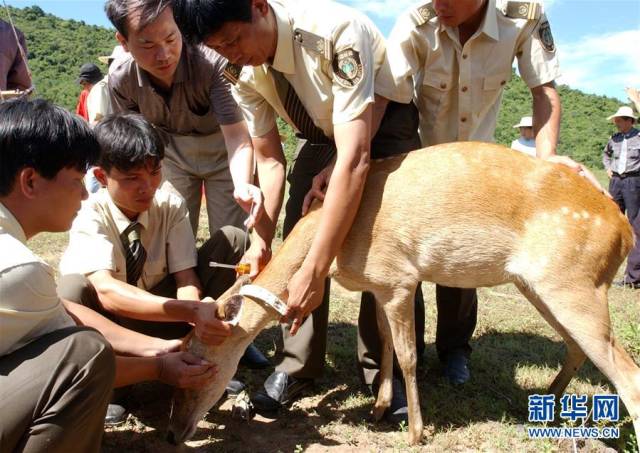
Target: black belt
[626, 175]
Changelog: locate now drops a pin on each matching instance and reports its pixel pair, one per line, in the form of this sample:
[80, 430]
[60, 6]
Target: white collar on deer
[265, 296]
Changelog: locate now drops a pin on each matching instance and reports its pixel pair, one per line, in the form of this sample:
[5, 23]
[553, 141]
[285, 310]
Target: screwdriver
[240, 268]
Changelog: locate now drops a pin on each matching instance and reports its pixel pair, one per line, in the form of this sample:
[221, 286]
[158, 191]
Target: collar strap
[265, 296]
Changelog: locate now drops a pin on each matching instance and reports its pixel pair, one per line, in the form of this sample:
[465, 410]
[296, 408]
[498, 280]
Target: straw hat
[525, 121]
[115, 53]
[623, 111]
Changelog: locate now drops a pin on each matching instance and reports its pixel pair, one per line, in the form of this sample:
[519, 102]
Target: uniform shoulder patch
[423, 14]
[232, 72]
[546, 38]
[347, 67]
[523, 10]
[313, 42]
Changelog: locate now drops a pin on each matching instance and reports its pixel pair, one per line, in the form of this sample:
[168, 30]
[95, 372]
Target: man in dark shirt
[14, 74]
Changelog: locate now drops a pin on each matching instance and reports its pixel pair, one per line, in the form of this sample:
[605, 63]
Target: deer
[465, 214]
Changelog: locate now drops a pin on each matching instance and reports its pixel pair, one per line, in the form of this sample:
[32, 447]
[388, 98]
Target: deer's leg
[583, 313]
[385, 377]
[399, 313]
[575, 356]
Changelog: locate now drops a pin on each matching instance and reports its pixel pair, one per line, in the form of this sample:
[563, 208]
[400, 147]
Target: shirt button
[443, 85]
[464, 56]
[464, 89]
[503, 82]
[463, 119]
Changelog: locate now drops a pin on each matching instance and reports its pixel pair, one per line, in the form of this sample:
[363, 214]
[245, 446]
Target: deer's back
[475, 214]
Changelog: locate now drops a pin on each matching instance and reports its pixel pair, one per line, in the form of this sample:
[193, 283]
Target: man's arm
[240, 150]
[18, 76]
[122, 340]
[546, 119]
[606, 159]
[188, 285]
[132, 302]
[142, 358]
[271, 176]
[338, 212]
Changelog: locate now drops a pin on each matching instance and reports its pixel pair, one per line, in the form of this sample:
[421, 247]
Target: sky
[598, 40]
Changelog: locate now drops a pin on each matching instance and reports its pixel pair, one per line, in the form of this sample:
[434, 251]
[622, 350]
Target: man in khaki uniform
[315, 67]
[454, 58]
[132, 255]
[181, 91]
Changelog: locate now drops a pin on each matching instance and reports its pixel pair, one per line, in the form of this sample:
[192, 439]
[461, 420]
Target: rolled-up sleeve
[257, 112]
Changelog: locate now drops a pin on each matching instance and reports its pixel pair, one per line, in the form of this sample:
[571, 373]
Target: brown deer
[464, 215]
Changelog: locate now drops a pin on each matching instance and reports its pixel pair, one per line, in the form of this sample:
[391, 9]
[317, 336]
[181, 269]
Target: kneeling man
[132, 255]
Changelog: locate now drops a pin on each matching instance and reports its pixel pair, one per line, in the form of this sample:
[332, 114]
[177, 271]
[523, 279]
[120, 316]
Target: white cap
[525, 121]
[117, 51]
[623, 111]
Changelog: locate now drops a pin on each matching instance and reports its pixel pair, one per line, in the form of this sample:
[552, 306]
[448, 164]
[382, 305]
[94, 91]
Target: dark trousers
[632, 273]
[304, 353]
[226, 245]
[54, 392]
[626, 193]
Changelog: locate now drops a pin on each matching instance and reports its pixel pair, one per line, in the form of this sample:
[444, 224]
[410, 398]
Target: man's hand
[208, 327]
[578, 168]
[258, 255]
[158, 346]
[609, 173]
[250, 198]
[305, 295]
[185, 370]
[318, 189]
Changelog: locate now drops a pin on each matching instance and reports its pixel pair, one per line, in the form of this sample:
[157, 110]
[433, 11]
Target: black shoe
[398, 411]
[456, 369]
[280, 389]
[254, 359]
[626, 284]
[234, 387]
[116, 415]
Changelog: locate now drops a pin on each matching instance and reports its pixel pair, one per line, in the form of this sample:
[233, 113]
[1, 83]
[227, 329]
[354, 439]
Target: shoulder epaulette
[232, 72]
[423, 14]
[313, 42]
[523, 10]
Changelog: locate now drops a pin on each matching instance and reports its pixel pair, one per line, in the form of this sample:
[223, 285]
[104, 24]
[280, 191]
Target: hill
[58, 47]
[56, 50]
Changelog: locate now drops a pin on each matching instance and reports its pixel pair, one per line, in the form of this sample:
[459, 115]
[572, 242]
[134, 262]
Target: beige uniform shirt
[457, 88]
[98, 102]
[95, 244]
[29, 304]
[328, 52]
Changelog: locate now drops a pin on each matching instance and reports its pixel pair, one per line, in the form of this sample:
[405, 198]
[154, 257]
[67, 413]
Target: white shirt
[29, 303]
[166, 236]
[527, 146]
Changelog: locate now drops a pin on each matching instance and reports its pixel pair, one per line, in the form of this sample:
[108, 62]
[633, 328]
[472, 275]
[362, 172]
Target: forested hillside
[57, 49]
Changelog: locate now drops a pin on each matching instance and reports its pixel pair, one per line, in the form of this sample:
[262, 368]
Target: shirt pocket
[492, 87]
[435, 94]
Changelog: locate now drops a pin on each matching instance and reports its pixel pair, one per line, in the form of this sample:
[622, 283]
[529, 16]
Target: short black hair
[128, 142]
[199, 19]
[40, 135]
[119, 11]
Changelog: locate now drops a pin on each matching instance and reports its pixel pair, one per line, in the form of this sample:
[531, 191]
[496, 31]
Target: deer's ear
[230, 308]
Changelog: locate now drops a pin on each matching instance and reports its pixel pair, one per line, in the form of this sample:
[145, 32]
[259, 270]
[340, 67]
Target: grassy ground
[515, 354]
